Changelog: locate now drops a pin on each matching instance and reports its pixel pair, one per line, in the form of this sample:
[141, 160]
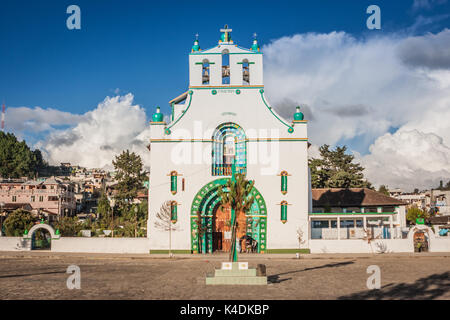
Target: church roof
[232, 48]
[225, 43]
[351, 197]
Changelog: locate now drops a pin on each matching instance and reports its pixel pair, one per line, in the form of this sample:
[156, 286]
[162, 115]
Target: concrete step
[252, 280]
[235, 273]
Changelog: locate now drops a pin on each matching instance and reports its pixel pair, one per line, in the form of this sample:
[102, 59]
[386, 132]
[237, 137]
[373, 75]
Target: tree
[103, 210]
[442, 187]
[68, 226]
[201, 229]
[16, 158]
[164, 222]
[238, 197]
[335, 169]
[415, 213]
[17, 222]
[130, 176]
[384, 190]
[300, 239]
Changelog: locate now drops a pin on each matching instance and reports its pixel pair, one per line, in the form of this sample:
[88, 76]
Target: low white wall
[441, 244]
[101, 245]
[14, 244]
[360, 246]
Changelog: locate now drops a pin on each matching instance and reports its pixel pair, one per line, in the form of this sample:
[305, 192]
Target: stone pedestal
[237, 273]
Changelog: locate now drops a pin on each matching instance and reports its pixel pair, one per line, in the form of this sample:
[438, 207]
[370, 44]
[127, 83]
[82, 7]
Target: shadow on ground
[29, 274]
[276, 277]
[432, 287]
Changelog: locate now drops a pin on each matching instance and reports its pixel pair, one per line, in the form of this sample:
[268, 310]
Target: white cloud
[408, 159]
[426, 4]
[23, 119]
[354, 91]
[358, 90]
[115, 125]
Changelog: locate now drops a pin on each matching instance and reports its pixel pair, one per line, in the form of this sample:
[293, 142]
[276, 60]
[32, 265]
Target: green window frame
[173, 182]
[284, 205]
[284, 176]
[173, 211]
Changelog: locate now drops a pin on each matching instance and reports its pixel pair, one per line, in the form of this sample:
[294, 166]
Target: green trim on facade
[210, 140]
[290, 128]
[206, 53]
[167, 130]
[224, 87]
[207, 200]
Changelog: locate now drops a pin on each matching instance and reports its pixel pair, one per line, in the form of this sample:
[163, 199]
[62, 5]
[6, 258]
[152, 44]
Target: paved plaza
[42, 275]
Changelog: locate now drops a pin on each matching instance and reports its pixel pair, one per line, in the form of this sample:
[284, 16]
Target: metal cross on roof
[226, 30]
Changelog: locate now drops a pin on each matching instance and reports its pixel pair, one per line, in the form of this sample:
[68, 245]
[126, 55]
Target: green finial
[158, 116]
[255, 45]
[196, 46]
[25, 232]
[57, 232]
[298, 116]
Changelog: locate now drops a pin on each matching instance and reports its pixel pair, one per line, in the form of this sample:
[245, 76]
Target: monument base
[237, 273]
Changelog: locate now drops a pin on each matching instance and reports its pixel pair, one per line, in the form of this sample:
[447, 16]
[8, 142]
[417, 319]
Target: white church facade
[225, 117]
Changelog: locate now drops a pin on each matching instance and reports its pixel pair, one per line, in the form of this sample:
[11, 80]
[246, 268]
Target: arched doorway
[215, 221]
[41, 236]
[41, 240]
[421, 237]
[421, 243]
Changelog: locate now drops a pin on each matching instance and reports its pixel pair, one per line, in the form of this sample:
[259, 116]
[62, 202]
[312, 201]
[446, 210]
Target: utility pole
[2, 204]
[135, 220]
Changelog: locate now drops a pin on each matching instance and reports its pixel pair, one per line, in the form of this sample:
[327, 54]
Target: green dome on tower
[255, 45]
[158, 116]
[298, 116]
[196, 46]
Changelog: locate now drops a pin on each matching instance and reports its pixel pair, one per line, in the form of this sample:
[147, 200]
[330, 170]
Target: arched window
[229, 145]
[205, 72]
[245, 72]
[225, 67]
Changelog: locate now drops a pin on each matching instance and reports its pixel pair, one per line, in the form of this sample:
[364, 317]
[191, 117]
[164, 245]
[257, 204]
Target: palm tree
[236, 193]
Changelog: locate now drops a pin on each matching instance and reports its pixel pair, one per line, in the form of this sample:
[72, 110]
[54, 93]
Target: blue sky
[381, 92]
[142, 46]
